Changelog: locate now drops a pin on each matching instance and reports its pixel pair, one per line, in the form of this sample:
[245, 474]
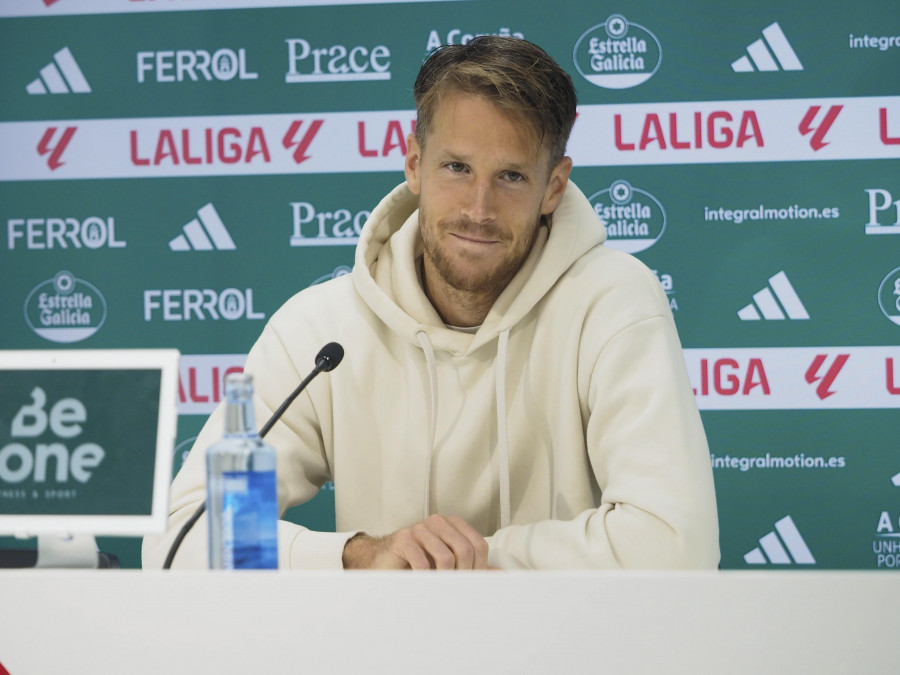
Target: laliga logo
[635, 220]
[65, 309]
[889, 296]
[59, 146]
[18, 462]
[617, 54]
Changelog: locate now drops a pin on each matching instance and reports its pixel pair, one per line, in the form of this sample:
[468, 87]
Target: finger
[433, 539]
[478, 543]
[404, 545]
[467, 545]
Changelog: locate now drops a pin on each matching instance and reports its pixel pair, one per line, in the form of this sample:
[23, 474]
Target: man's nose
[481, 205]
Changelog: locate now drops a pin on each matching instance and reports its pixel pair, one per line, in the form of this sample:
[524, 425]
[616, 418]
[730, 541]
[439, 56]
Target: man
[513, 393]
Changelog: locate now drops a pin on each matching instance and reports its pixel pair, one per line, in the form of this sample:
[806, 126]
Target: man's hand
[438, 542]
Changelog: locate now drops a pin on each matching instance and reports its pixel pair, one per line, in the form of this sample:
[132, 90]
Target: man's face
[484, 183]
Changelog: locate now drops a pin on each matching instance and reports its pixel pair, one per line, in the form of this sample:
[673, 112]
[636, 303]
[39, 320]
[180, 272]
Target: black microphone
[327, 360]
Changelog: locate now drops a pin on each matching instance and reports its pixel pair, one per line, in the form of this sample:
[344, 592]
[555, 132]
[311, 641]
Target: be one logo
[889, 296]
[617, 54]
[634, 218]
[336, 63]
[25, 458]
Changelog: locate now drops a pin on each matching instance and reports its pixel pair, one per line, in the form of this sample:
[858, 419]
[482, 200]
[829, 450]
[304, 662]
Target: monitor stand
[67, 550]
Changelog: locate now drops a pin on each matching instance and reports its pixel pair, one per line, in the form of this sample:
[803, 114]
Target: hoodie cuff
[310, 550]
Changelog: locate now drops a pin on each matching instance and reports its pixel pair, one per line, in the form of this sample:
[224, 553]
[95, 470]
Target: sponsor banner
[737, 131]
[66, 7]
[795, 378]
[231, 145]
[201, 380]
[659, 133]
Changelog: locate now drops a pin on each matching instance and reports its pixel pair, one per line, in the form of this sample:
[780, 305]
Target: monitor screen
[86, 440]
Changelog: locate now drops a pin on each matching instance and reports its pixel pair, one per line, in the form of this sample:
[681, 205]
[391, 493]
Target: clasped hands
[438, 542]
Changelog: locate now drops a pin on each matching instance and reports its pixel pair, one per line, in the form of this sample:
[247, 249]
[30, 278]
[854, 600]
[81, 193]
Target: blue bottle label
[250, 520]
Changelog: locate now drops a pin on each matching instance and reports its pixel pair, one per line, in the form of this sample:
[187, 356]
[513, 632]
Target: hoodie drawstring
[432, 419]
[502, 435]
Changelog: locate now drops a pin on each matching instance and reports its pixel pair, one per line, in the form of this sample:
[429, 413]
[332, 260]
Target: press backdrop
[171, 171]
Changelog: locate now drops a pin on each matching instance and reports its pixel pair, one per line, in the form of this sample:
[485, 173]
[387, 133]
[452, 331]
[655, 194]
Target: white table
[128, 621]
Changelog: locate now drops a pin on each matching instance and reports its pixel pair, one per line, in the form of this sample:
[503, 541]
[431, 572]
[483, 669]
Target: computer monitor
[86, 441]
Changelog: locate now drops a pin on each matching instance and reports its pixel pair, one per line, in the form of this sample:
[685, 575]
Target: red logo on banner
[55, 151]
[728, 377]
[889, 373]
[883, 128]
[823, 391]
[4, 671]
[718, 129]
[818, 138]
[300, 155]
[394, 138]
[47, 3]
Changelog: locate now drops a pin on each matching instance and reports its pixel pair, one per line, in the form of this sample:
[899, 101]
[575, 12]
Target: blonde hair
[519, 77]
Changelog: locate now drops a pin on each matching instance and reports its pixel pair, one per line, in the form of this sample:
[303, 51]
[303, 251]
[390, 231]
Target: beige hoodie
[564, 430]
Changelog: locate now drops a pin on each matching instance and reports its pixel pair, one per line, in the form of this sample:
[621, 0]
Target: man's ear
[411, 166]
[556, 187]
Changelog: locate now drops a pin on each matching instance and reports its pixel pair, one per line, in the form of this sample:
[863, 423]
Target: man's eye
[514, 177]
[456, 167]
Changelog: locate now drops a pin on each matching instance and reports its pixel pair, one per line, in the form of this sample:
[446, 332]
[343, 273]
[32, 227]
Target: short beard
[489, 283]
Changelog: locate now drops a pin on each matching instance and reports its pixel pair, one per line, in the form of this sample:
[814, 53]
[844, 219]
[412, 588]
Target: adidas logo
[60, 76]
[781, 547]
[765, 302]
[761, 52]
[205, 233]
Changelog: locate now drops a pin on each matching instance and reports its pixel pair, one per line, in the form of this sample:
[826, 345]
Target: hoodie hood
[386, 270]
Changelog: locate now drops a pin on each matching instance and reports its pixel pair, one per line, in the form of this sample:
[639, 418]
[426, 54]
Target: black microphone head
[329, 356]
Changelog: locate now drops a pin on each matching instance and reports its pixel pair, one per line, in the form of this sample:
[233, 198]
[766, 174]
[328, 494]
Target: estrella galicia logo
[889, 296]
[617, 54]
[338, 271]
[65, 309]
[635, 219]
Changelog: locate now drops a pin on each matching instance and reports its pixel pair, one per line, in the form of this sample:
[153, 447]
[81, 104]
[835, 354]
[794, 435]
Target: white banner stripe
[795, 378]
[35, 7]
[375, 141]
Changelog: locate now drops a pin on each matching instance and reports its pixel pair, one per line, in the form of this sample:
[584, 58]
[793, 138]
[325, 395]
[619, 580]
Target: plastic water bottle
[242, 500]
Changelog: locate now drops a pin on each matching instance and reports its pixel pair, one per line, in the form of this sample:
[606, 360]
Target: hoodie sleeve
[302, 468]
[649, 456]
